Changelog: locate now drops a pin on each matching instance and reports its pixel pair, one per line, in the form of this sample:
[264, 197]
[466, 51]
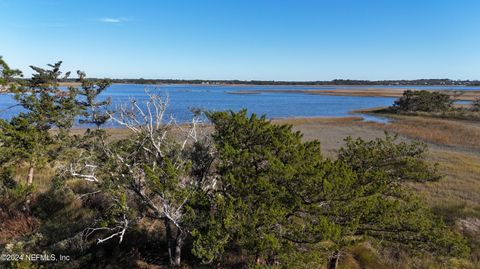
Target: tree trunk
[174, 243]
[168, 235]
[178, 247]
[333, 260]
[30, 175]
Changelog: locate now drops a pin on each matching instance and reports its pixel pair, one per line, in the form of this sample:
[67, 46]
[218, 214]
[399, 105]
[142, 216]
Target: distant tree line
[416, 82]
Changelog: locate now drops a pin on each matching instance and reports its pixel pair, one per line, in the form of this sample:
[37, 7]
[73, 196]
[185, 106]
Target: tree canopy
[281, 194]
[28, 136]
[424, 101]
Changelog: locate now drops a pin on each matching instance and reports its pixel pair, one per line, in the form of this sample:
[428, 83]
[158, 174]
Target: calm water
[216, 98]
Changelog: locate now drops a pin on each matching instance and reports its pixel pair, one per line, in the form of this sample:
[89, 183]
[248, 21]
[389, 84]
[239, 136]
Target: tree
[22, 143]
[162, 165]
[7, 75]
[28, 137]
[425, 101]
[264, 171]
[383, 206]
[279, 194]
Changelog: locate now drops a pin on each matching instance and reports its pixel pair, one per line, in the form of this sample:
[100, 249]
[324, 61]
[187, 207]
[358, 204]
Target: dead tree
[154, 166]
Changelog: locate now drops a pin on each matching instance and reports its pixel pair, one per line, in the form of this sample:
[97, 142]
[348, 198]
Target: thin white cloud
[113, 20]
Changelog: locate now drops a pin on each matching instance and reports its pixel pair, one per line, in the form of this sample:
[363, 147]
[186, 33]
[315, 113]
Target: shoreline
[283, 120]
[465, 95]
[284, 85]
[340, 90]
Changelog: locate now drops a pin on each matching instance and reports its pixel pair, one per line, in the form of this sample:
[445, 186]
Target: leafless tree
[143, 168]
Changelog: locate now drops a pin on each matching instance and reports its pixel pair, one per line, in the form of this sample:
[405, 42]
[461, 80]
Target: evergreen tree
[278, 194]
[8, 76]
[40, 132]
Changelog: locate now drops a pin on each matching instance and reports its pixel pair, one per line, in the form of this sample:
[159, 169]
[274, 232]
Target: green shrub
[6, 180]
[425, 101]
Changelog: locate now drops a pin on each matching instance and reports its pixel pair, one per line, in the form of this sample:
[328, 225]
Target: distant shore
[73, 83]
[372, 92]
[461, 95]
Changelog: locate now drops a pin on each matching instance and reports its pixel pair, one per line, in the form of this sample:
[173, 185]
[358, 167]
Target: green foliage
[395, 216]
[95, 112]
[20, 191]
[210, 239]
[151, 174]
[12, 193]
[398, 162]
[8, 76]
[282, 194]
[22, 142]
[425, 101]
[7, 180]
[19, 248]
[264, 171]
[27, 137]
[47, 104]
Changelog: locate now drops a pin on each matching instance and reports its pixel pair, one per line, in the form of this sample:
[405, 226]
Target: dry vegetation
[379, 92]
[461, 185]
[442, 132]
[318, 120]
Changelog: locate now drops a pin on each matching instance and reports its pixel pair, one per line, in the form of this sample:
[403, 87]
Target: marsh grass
[459, 114]
[457, 151]
[318, 120]
[443, 132]
[373, 92]
[457, 194]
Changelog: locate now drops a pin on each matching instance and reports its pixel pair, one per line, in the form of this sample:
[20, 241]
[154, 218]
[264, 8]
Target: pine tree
[40, 132]
[8, 76]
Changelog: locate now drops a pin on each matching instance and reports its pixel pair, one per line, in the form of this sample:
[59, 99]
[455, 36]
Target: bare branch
[85, 172]
[120, 231]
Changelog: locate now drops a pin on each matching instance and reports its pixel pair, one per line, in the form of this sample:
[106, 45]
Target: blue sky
[261, 39]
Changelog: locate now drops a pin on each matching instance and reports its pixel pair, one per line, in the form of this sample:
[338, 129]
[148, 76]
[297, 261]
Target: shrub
[6, 180]
[425, 101]
[63, 215]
